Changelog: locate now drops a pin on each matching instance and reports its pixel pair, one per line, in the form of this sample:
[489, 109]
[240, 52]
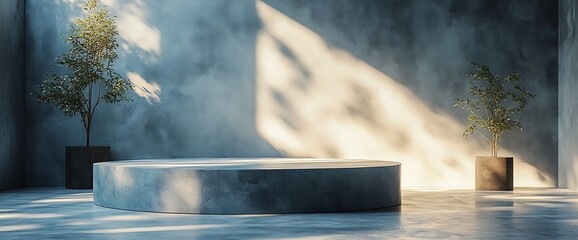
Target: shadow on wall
[11, 94]
[194, 76]
[197, 76]
[140, 42]
[318, 101]
[233, 85]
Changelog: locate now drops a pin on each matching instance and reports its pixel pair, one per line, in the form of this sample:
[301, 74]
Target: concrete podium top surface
[250, 163]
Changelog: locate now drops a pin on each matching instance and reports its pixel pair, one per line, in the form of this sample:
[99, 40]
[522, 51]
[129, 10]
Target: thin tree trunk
[494, 144]
[88, 133]
[89, 115]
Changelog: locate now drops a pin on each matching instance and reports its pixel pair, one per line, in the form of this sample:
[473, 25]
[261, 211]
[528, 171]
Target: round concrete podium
[247, 186]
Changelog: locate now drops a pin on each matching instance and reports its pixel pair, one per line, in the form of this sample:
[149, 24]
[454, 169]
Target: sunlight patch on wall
[317, 101]
[147, 90]
[77, 3]
[136, 36]
[134, 30]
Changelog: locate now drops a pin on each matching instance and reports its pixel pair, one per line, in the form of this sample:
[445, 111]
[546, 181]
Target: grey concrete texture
[427, 46]
[11, 94]
[568, 102]
[246, 186]
[195, 65]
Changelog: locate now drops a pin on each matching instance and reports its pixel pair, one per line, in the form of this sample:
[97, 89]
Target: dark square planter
[79, 162]
[494, 173]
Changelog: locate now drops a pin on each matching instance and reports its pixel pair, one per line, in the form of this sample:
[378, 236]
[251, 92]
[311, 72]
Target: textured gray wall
[426, 47]
[195, 61]
[568, 103]
[11, 90]
[200, 54]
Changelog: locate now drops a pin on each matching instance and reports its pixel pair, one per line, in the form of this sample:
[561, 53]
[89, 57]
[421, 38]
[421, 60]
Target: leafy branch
[493, 102]
[90, 59]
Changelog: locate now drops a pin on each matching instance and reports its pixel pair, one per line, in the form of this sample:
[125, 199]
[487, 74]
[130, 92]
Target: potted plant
[493, 102]
[92, 81]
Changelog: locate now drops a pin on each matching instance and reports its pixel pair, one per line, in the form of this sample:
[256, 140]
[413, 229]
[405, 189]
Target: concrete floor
[424, 214]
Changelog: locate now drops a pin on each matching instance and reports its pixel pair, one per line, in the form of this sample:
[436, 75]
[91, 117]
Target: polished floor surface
[527, 213]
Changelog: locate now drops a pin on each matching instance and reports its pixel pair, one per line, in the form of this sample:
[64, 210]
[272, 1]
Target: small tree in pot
[91, 82]
[493, 102]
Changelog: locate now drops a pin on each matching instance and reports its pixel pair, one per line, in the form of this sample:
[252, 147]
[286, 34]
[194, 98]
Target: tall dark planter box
[79, 162]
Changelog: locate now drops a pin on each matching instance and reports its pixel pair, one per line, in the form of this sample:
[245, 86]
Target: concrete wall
[377, 80]
[193, 64]
[371, 79]
[11, 90]
[568, 103]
